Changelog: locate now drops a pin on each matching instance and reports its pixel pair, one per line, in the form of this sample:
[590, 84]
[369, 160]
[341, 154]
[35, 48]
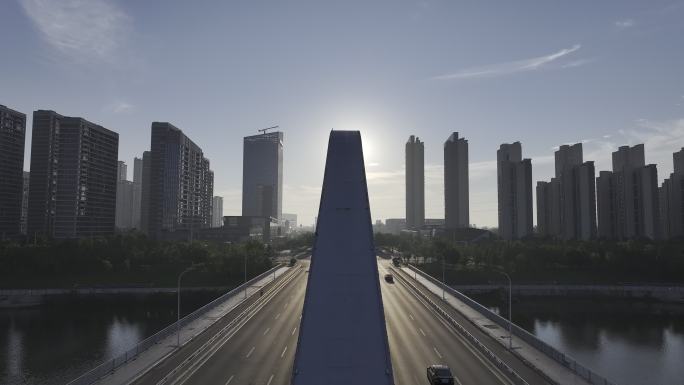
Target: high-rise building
[672, 200]
[514, 187]
[584, 208]
[262, 175]
[72, 191]
[121, 171]
[217, 212]
[548, 208]
[606, 205]
[566, 206]
[628, 197]
[137, 192]
[415, 183]
[456, 189]
[181, 183]
[12, 139]
[124, 198]
[24, 201]
[146, 190]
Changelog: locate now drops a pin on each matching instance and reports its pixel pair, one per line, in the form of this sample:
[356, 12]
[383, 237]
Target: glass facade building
[262, 175]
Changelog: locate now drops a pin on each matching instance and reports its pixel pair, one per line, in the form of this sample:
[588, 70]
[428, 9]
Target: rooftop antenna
[263, 130]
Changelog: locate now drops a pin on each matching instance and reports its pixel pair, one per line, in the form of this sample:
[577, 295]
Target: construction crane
[263, 130]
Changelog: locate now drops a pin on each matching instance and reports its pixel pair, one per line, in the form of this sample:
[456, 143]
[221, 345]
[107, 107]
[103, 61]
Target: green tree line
[545, 261]
[128, 259]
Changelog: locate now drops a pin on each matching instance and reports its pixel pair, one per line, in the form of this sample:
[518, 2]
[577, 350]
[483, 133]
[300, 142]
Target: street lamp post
[510, 308]
[443, 276]
[245, 276]
[179, 308]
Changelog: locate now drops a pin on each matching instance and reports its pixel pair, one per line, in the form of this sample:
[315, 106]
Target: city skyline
[584, 225]
[449, 72]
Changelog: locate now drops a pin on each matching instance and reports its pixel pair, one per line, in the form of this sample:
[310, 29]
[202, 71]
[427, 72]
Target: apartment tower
[514, 187]
[456, 189]
[180, 183]
[415, 183]
[12, 139]
[72, 192]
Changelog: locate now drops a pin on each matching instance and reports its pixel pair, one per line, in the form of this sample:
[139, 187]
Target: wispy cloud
[512, 67]
[660, 140]
[625, 23]
[120, 107]
[576, 63]
[82, 29]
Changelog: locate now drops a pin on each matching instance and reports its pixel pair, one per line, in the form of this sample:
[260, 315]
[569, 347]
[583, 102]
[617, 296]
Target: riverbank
[18, 298]
[660, 293]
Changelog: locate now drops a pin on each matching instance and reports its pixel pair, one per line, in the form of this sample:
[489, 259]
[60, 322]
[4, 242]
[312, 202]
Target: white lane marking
[283, 353]
[250, 352]
[269, 380]
[277, 316]
[422, 332]
[293, 331]
[437, 351]
[286, 303]
[227, 333]
[230, 379]
[411, 317]
[267, 330]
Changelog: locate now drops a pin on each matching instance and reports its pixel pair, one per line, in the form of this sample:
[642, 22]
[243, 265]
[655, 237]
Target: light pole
[245, 276]
[510, 308]
[178, 314]
[443, 276]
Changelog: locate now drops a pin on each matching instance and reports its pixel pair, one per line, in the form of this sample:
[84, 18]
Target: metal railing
[112, 364]
[491, 356]
[522, 334]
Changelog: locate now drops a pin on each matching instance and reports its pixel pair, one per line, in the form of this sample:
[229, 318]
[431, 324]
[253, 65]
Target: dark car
[440, 374]
[389, 278]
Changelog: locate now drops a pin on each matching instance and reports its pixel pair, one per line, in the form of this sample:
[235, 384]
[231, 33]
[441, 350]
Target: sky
[545, 73]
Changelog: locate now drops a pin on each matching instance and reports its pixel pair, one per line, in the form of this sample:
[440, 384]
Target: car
[440, 374]
[396, 261]
[389, 278]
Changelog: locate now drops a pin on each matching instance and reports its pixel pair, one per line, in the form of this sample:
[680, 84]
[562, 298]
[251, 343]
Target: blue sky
[545, 73]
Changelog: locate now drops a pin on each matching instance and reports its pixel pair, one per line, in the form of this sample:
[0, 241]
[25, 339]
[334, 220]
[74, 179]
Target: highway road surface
[259, 349]
[418, 337]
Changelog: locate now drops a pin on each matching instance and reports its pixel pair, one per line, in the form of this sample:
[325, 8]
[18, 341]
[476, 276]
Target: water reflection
[627, 341]
[56, 342]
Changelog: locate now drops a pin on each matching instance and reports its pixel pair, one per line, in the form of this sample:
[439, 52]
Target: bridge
[335, 320]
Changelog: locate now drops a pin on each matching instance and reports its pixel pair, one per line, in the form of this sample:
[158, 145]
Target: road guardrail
[112, 364]
[558, 356]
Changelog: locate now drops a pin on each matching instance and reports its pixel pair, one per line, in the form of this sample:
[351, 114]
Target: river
[629, 342]
[56, 342]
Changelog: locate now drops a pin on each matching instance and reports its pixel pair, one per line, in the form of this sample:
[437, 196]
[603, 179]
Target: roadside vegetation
[544, 260]
[129, 259]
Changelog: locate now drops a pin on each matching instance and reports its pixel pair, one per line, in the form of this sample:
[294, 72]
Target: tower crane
[263, 130]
